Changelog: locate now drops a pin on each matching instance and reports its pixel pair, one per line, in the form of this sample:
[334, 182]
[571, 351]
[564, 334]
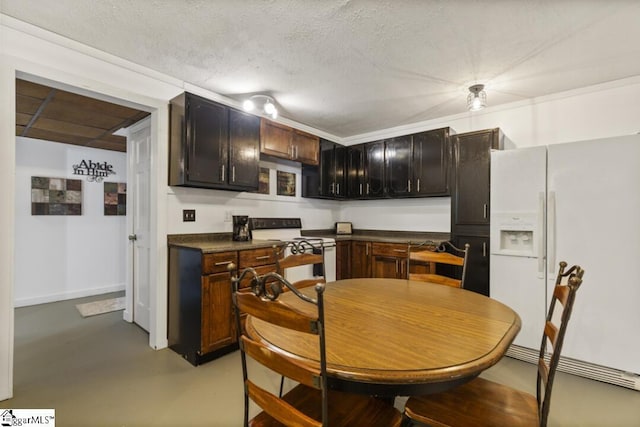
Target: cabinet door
[217, 328]
[343, 260]
[398, 166]
[207, 141]
[327, 169]
[389, 260]
[275, 139]
[389, 267]
[340, 158]
[477, 275]
[471, 193]
[355, 171]
[431, 159]
[244, 156]
[360, 259]
[374, 169]
[305, 147]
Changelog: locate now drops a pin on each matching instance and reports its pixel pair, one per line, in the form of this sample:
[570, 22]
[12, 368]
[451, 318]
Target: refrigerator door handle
[540, 231]
[551, 233]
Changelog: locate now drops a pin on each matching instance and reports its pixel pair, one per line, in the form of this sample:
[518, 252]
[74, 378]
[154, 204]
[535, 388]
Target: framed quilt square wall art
[56, 196]
[115, 198]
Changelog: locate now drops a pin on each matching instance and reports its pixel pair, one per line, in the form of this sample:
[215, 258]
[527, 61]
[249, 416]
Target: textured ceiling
[353, 67]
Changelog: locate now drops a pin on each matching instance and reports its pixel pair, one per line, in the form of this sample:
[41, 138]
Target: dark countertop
[214, 242]
[221, 242]
[413, 237]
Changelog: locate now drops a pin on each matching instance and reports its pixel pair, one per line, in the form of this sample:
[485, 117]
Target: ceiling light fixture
[477, 98]
[264, 103]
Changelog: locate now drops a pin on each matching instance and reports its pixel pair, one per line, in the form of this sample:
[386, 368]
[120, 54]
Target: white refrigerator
[580, 203]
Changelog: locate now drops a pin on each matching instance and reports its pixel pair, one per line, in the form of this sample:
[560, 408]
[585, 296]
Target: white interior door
[139, 150]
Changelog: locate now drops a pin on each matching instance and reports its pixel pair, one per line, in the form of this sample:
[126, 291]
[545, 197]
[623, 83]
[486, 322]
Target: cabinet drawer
[398, 250]
[256, 257]
[218, 262]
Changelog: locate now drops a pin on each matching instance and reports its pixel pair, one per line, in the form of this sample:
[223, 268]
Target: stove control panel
[274, 223]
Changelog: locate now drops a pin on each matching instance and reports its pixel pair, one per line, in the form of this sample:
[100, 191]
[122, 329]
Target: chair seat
[345, 409]
[478, 403]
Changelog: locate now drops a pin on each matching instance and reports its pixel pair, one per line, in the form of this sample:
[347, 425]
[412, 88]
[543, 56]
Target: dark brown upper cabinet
[470, 198]
[284, 142]
[398, 161]
[355, 172]
[431, 163]
[327, 180]
[212, 145]
[418, 165]
[374, 173]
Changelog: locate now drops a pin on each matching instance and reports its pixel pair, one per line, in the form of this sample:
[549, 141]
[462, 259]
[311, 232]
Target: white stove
[286, 229]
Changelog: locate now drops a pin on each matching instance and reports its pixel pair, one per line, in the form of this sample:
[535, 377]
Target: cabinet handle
[367, 188]
[263, 257]
[484, 249]
[223, 263]
[400, 250]
[361, 189]
[366, 249]
[338, 189]
[222, 174]
[331, 188]
[418, 185]
[409, 185]
[233, 173]
[396, 266]
[485, 211]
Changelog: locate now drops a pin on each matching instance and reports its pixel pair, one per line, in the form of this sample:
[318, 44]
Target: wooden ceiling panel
[23, 119]
[33, 90]
[95, 105]
[69, 113]
[69, 118]
[67, 128]
[110, 145]
[27, 104]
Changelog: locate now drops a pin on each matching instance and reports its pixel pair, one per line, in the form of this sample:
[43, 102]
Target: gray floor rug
[101, 307]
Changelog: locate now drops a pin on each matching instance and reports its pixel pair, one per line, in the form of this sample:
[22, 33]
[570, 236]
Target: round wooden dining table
[394, 337]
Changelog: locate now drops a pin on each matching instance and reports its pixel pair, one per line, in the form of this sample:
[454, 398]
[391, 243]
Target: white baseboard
[43, 299]
[580, 368]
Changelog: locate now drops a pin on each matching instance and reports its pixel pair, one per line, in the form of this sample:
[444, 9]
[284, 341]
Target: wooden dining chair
[297, 253]
[437, 255]
[310, 403]
[481, 402]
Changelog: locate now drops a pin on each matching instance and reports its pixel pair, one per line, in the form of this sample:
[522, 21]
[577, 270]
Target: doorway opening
[71, 237]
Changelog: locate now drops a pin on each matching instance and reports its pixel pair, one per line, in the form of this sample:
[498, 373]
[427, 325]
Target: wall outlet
[188, 215]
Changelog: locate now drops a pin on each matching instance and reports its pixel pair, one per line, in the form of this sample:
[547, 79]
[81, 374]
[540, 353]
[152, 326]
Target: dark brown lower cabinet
[200, 322]
[343, 260]
[477, 276]
[389, 260]
[360, 259]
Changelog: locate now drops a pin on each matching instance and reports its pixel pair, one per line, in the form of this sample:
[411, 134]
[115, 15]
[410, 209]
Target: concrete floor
[100, 371]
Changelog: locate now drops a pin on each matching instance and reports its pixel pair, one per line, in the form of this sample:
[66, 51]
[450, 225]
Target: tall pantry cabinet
[470, 209]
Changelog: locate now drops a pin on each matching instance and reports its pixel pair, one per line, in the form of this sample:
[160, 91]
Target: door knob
[133, 237]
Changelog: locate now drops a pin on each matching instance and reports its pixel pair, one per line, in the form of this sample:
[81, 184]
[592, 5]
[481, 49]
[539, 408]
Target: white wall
[427, 214]
[63, 257]
[213, 207]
